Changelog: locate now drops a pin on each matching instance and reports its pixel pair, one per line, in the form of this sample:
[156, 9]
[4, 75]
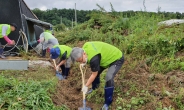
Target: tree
[39, 13]
[53, 16]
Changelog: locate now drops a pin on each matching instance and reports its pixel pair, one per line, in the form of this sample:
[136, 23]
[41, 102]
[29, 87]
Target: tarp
[171, 22]
[38, 22]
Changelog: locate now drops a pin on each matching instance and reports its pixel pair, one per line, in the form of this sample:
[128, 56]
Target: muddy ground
[161, 87]
[69, 91]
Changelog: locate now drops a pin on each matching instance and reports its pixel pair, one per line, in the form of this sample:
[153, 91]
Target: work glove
[11, 43]
[85, 89]
[38, 40]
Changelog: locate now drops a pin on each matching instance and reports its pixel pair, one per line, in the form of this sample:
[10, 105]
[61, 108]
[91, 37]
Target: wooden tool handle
[83, 81]
[54, 62]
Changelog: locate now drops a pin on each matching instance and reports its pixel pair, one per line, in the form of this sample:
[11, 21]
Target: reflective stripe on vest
[7, 32]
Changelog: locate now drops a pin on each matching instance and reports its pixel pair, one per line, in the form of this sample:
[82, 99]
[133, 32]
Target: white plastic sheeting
[20, 64]
[171, 22]
[41, 63]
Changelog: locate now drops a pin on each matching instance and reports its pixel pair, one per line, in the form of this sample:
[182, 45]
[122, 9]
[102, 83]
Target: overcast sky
[119, 5]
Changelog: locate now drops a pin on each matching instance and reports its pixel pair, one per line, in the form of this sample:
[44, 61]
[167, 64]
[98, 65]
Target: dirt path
[69, 92]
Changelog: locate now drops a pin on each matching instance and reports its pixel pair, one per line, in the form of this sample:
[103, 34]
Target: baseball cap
[55, 52]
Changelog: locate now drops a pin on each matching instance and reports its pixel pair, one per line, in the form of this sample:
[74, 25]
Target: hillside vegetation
[55, 16]
[139, 37]
[152, 77]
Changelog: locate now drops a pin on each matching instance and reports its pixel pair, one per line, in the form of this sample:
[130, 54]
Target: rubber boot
[95, 84]
[108, 97]
[63, 71]
[1, 50]
[1, 53]
[44, 53]
[66, 72]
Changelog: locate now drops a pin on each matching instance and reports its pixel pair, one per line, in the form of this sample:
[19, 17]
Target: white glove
[57, 68]
[85, 89]
[42, 39]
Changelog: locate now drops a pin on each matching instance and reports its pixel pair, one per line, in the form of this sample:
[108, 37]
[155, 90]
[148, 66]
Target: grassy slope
[29, 89]
[152, 75]
[151, 78]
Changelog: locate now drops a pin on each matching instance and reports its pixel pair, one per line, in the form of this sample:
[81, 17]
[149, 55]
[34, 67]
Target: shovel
[84, 95]
[58, 74]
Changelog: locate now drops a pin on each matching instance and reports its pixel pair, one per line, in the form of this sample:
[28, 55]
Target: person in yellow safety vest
[63, 52]
[49, 30]
[48, 41]
[100, 56]
[5, 30]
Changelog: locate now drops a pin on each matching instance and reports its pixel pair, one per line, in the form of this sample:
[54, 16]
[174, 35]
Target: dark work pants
[112, 71]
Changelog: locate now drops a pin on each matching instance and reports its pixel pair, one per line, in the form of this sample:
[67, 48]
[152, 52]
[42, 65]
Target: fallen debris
[33, 63]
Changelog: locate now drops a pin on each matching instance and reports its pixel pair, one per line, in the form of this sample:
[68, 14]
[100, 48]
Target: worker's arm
[62, 62]
[95, 66]
[91, 78]
[63, 59]
[42, 38]
[4, 29]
